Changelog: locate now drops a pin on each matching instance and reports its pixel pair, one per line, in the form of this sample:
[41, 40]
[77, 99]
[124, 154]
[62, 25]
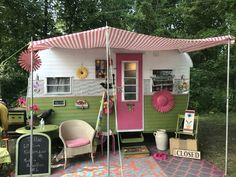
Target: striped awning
[122, 39]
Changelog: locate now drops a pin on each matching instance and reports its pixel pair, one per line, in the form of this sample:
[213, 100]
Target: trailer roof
[122, 39]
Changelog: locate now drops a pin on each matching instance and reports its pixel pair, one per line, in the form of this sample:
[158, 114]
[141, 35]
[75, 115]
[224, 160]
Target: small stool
[113, 141]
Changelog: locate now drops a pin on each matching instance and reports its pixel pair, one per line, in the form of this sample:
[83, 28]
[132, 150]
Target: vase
[161, 139]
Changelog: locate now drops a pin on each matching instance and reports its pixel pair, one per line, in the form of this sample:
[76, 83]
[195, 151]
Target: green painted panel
[153, 120]
[69, 111]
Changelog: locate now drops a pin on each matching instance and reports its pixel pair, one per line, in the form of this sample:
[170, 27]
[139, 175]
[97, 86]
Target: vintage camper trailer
[151, 78]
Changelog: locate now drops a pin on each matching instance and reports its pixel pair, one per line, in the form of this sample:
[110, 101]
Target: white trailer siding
[58, 62]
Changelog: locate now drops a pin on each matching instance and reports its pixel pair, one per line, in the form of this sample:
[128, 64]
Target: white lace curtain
[58, 84]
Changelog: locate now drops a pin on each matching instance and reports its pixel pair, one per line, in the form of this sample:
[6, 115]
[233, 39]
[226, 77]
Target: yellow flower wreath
[82, 72]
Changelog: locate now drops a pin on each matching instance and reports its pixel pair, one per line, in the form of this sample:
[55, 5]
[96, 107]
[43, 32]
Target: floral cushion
[77, 142]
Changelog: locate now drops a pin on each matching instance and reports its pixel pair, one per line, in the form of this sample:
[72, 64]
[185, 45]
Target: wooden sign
[41, 160]
[187, 154]
[189, 121]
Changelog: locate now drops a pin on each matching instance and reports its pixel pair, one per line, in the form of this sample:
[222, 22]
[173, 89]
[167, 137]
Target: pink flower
[21, 101]
[34, 108]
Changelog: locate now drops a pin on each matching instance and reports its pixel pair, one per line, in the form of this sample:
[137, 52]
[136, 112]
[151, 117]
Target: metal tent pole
[115, 108]
[108, 103]
[227, 111]
[31, 110]
[118, 140]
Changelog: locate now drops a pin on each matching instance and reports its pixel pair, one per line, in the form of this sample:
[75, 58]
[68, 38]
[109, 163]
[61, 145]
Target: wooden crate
[188, 144]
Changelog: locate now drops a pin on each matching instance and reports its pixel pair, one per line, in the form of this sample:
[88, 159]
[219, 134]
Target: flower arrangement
[22, 102]
[34, 108]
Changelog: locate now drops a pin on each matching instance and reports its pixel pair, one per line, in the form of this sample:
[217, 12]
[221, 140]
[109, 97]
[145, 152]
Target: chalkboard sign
[41, 161]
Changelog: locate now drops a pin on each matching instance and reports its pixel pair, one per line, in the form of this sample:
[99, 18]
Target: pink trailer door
[129, 92]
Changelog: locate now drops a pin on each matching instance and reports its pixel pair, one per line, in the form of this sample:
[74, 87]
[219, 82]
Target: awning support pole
[108, 102]
[227, 111]
[31, 110]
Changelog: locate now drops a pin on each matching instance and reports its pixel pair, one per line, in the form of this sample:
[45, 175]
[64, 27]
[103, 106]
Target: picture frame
[100, 68]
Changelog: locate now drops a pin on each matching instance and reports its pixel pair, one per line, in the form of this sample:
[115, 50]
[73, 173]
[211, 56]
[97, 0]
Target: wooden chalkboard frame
[37, 138]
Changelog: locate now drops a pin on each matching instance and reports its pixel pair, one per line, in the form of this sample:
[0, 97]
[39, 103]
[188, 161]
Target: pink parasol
[25, 61]
[163, 101]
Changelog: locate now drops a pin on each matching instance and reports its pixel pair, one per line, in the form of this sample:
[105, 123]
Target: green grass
[211, 139]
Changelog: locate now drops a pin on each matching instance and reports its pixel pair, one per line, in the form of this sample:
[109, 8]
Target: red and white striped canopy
[122, 39]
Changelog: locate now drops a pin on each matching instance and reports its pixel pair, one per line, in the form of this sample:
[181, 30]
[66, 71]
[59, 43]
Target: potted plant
[35, 109]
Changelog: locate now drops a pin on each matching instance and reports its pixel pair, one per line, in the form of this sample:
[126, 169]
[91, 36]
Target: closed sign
[187, 154]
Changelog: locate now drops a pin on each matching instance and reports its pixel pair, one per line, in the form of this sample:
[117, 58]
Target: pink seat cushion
[77, 142]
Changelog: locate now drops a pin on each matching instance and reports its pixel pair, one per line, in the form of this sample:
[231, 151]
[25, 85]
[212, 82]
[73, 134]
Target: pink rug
[132, 167]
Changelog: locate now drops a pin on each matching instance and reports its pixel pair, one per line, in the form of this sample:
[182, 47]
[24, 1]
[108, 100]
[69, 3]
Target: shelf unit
[162, 79]
[161, 84]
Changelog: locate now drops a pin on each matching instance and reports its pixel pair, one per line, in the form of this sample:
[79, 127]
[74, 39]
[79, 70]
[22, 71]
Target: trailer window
[61, 85]
[162, 79]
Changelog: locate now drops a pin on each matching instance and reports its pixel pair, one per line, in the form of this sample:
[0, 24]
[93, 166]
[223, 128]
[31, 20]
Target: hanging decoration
[81, 104]
[163, 101]
[36, 87]
[130, 107]
[182, 85]
[25, 61]
[82, 72]
[105, 106]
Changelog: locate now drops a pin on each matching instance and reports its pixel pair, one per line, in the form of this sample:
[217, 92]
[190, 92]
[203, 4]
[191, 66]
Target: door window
[130, 81]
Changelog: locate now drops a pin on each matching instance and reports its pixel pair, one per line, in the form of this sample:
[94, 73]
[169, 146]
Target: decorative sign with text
[189, 121]
[41, 155]
[187, 154]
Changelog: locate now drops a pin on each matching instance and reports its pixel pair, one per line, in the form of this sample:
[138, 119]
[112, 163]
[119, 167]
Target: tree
[75, 16]
[19, 21]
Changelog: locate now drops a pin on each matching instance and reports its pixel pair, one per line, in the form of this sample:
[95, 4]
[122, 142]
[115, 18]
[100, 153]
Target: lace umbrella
[25, 61]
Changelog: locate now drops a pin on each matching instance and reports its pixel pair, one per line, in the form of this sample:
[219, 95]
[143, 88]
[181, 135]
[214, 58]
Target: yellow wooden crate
[16, 118]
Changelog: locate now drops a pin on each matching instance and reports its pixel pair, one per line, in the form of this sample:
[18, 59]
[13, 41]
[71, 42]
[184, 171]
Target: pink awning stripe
[122, 39]
[113, 35]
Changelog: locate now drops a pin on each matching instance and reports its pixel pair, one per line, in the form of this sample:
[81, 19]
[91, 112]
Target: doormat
[135, 151]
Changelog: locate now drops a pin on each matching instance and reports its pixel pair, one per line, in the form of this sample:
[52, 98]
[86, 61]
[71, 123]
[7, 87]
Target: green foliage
[74, 15]
[19, 21]
[211, 142]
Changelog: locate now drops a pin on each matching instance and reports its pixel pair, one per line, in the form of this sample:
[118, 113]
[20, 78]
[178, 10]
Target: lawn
[211, 139]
